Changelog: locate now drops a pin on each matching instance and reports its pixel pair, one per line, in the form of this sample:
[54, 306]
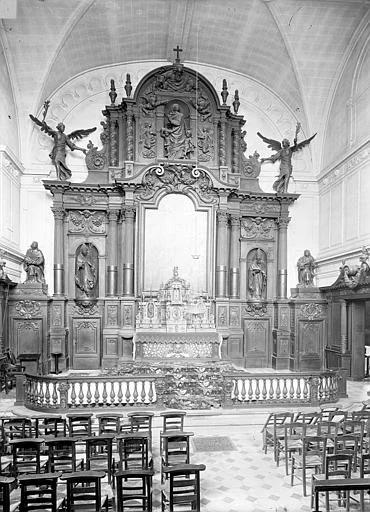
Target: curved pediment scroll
[177, 178]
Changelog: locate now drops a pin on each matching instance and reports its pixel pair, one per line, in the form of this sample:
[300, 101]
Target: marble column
[59, 214]
[111, 288]
[234, 276]
[343, 326]
[282, 257]
[128, 263]
[222, 253]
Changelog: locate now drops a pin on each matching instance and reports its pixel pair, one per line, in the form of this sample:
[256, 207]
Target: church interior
[184, 257]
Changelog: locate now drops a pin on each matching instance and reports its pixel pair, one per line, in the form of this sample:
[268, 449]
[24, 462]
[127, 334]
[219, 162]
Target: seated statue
[33, 264]
[306, 266]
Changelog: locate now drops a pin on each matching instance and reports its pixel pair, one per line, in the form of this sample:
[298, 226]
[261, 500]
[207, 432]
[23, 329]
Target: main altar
[169, 249]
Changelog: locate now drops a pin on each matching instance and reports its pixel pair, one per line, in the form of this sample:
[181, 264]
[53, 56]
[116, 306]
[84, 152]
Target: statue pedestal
[305, 292]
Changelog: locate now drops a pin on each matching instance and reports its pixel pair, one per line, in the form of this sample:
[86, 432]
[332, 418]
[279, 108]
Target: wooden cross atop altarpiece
[177, 50]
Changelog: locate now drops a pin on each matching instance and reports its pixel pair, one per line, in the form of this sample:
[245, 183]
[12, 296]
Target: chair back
[56, 427]
[109, 423]
[133, 450]
[134, 490]
[184, 487]
[79, 424]
[173, 420]
[365, 465]
[175, 447]
[26, 455]
[338, 465]
[84, 491]
[310, 418]
[17, 428]
[61, 454]
[39, 492]
[99, 453]
[328, 428]
[6, 485]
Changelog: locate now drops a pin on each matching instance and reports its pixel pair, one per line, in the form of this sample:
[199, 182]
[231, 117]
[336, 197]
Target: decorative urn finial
[112, 92]
[224, 92]
[128, 86]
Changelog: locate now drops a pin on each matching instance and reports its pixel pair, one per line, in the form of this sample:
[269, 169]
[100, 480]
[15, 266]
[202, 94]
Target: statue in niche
[148, 141]
[284, 152]
[306, 265]
[202, 105]
[205, 143]
[34, 264]
[61, 141]
[86, 271]
[175, 134]
[150, 103]
[257, 276]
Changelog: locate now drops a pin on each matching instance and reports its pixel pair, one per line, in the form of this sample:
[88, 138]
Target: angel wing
[302, 144]
[44, 127]
[79, 134]
[273, 144]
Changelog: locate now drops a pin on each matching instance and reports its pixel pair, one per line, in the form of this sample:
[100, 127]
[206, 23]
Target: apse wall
[344, 183]
[79, 102]
[10, 173]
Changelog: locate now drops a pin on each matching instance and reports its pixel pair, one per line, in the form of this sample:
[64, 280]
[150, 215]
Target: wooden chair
[53, 427]
[292, 442]
[274, 429]
[6, 486]
[183, 489]
[134, 490]
[84, 491]
[62, 455]
[26, 456]
[39, 492]
[175, 449]
[99, 453]
[326, 410]
[348, 444]
[364, 473]
[17, 428]
[336, 466]
[173, 420]
[134, 452]
[79, 424]
[109, 423]
[142, 422]
[312, 457]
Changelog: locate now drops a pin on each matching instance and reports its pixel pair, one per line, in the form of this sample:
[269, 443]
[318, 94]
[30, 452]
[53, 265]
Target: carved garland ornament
[176, 178]
[28, 308]
[311, 311]
[257, 309]
[87, 310]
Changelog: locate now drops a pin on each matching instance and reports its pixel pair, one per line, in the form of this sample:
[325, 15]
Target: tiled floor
[244, 479]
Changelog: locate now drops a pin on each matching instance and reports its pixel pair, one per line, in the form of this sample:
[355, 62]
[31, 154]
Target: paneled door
[86, 343]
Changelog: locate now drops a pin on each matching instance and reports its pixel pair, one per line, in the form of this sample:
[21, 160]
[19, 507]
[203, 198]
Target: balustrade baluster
[54, 394]
[236, 390]
[128, 393]
[285, 389]
[47, 394]
[135, 394]
[41, 394]
[88, 394]
[271, 389]
[81, 395]
[291, 389]
[250, 389]
[305, 388]
[73, 394]
[96, 394]
[243, 392]
[278, 390]
[322, 388]
[151, 392]
[298, 391]
[264, 389]
[257, 389]
[120, 394]
[105, 394]
[112, 394]
[29, 396]
[143, 393]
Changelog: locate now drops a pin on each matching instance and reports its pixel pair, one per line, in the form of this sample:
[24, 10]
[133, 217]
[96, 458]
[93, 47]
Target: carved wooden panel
[310, 335]
[28, 336]
[86, 343]
[111, 346]
[256, 343]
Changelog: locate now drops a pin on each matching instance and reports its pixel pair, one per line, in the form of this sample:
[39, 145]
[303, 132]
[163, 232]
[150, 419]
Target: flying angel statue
[61, 140]
[284, 152]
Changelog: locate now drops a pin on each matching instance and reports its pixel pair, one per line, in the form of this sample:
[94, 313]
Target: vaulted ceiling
[296, 48]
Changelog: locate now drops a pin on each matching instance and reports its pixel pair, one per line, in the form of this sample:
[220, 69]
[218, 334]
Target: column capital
[222, 217]
[128, 212]
[58, 212]
[235, 221]
[113, 215]
[283, 222]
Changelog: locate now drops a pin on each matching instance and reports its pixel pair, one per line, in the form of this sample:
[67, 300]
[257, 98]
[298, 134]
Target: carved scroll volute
[113, 141]
[130, 133]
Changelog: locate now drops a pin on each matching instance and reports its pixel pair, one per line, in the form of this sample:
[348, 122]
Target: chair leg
[327, 501]
[304, 480]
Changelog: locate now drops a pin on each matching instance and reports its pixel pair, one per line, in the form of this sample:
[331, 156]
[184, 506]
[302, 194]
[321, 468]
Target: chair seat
[311, 460]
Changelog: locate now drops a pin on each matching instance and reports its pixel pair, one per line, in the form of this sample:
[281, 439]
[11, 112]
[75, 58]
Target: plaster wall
[344, 183]
[8, 114]
[79, 102]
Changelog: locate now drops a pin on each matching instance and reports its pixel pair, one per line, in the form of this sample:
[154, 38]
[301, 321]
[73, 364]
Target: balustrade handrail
[240, 388]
